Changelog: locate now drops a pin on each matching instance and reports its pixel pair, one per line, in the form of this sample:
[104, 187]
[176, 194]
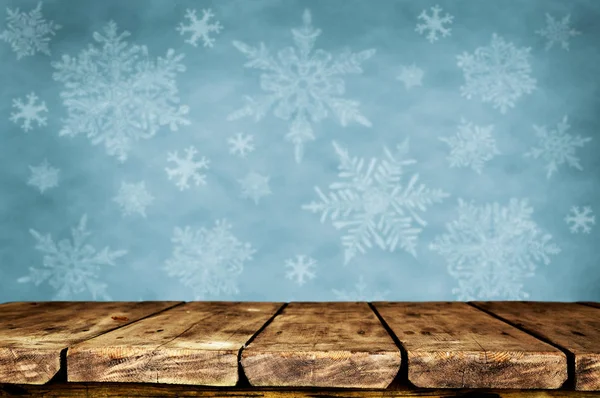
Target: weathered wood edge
[131, 390]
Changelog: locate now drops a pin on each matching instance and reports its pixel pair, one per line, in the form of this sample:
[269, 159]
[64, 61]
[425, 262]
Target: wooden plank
[33, 334]
[590, 303]
[196, 343]
[453, 345]
[573, 327]
[323, 345]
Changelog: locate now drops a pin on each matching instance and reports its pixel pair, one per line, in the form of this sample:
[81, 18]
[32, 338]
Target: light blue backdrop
[299, 150]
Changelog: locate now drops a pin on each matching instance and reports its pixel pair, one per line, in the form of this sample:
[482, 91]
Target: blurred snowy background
[299, 150]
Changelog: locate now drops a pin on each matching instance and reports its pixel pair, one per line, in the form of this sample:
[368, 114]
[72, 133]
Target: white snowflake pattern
[71, 267]
[580, 220]
[28, 33]
[301, 268]
[187, 168]
[241, 144]
[133, 198]
[499, 73]
[491, 249]
[30, 111]
[304, 85]
[255, 186]
[557, 32]
[557, 147]
[360, 293]
[472, 146]
[43, 176]
[200, 28]
[116, 94]
[208, 260]
[434, 23]
[411, 76]
[374, 205]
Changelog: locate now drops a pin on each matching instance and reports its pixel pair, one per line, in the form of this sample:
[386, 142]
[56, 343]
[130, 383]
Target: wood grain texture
[453, 345]
[323, 345]
[573, 327]
[196, 343]
[33, 334]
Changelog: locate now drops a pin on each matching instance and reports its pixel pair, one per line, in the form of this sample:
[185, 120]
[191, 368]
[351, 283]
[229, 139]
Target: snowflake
[133, 198]
[208, 261]
[255, 186]
[28, 33]
[301, 268]
[360, 294]
[116, 94]
[580, 219]
[434, 23]
[490, 249]
[498, 73]
[29, 111]
[43, 176]
[557, 32]
[557, 147]
[241, 144]
[374, 205]
[200, 29]
[472, 146]
[303, 85]
[71, 267]
[411, 76]
[187, 168]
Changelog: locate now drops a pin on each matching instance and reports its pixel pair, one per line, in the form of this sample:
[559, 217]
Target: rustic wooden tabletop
[317, 349]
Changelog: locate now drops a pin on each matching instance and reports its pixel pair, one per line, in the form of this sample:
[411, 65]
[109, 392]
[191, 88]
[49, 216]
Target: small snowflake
[241, 144]
[133, 198]
[300, 268]
[557, 147]
[434, 23]
[200, 29]
[71, 266]
[208, 260]
[411, 76]
[43, 176]
[360, 294]
[557, 32]
[580, 219]
[255, 186]
[28, 33]
[187, 168]
[472, 146]
[29, 111]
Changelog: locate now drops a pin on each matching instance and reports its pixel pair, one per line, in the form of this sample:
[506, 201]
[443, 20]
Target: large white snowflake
[491, 249]
[301, 268]
[116, 94]
[133, 198]
[71, 267]
[208, 260]
[255, 186]
[241, 144]
[472, 146]
[43, 176]
[29, 111]
[360, 293]
[187, 168]
[200, 28]
[434, 23]
[28, 33]
[499, 73]
[374, 205]
[303, 84]
[580, 220]
[557, 147]
[557, 32]
[411, 76]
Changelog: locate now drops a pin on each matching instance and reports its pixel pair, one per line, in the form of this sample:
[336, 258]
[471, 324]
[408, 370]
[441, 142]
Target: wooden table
[300, 349]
